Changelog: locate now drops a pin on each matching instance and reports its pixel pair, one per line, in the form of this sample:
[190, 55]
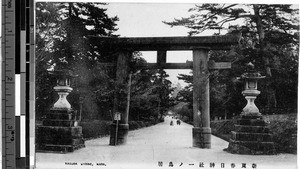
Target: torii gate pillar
[119, 129]
[201, 66]
[201, 115]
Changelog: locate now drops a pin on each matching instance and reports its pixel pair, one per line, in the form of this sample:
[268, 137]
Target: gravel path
[162, 142]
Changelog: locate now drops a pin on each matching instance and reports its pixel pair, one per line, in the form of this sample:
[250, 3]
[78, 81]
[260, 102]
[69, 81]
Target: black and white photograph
[165, 85]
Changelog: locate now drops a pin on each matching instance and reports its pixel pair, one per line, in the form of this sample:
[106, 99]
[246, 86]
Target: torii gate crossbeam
[201, 65]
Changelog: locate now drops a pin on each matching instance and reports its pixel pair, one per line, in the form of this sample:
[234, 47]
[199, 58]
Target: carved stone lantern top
[250, 78]
[63, 87]
[63, 76]
[251, 73]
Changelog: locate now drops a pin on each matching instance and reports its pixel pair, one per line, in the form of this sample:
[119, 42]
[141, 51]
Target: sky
[144, 19]
[140, 19]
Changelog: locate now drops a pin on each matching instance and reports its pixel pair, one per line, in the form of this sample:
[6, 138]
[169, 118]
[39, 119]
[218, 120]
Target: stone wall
[282, 126]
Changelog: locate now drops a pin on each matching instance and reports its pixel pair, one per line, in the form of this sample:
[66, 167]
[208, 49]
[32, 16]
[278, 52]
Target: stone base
[121, 134]
[202, 137]
[251, 136]
[59, 139]
[251, 147]
[59, 132]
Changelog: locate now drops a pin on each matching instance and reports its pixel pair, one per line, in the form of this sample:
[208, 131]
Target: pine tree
[151, 94]
[270, 37]
[62, 43]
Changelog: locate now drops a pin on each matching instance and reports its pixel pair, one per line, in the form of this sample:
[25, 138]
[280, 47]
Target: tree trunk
[271, 97]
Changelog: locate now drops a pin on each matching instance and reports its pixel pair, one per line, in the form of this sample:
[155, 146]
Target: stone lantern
[250, 93]
[251, 134]
[63, 89]
[59, 131]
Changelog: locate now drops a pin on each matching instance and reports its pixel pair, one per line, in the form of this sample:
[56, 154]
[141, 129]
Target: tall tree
[151, 94]
[270, 36]
[62, 42]
[164, 91]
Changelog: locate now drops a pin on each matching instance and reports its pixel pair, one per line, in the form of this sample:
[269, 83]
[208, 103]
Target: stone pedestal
[251, 136]
[121, 135]
[59, 132]
[202, 137]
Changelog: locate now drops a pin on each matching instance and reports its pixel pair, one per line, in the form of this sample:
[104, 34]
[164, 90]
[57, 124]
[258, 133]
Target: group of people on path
[178, 122]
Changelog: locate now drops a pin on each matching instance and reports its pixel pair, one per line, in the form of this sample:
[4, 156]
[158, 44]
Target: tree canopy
[270, 40]
[63, 42]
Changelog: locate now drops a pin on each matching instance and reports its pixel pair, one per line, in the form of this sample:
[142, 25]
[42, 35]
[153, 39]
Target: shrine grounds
[149, 145]
[161, 146]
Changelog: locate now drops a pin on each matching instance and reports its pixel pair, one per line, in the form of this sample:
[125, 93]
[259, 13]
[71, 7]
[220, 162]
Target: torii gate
[201, 65]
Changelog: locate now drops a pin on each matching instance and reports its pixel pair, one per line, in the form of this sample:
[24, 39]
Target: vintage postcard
[166, 85]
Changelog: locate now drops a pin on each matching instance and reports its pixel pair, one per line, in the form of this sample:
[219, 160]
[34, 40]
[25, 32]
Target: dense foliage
[62, 37]
[62, 43]
[269, 40]
[150, 94]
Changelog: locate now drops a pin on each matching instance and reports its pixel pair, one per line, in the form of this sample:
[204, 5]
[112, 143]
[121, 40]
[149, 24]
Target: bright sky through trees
[145, 20]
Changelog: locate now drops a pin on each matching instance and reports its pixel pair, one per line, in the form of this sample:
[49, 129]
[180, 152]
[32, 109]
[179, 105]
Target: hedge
[97, 128]
[222, 128]
[284, 136]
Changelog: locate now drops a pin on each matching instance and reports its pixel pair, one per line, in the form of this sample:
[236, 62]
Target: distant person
[171, 123]
[178, 122]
